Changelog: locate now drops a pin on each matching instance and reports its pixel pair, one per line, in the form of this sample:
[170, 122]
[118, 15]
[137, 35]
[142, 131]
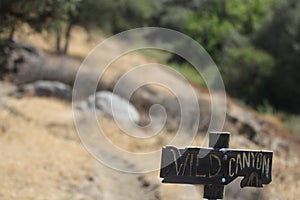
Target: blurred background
[254, 43]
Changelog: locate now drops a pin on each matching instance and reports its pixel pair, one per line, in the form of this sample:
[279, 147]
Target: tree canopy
[255, 43]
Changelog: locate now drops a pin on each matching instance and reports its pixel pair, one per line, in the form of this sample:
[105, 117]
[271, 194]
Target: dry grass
[41, 158]
[35, 163]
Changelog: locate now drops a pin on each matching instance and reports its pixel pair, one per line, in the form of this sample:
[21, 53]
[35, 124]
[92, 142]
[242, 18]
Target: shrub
[246, 72]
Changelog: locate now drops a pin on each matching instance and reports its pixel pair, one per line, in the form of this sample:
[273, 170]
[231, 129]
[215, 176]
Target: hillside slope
[43, 158]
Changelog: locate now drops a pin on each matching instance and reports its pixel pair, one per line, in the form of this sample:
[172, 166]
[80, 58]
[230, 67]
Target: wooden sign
[216, 166]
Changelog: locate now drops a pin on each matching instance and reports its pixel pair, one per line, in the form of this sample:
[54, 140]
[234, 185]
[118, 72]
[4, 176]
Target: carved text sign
[216, 166]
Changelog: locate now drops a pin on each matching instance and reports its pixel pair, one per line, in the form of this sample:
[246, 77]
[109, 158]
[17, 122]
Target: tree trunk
[67, 37]
[58, 39]
[11, 33]
[223, 8]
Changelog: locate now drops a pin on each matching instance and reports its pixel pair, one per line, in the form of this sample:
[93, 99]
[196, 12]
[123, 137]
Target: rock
[45, 88]
[264, 140]
[108, 103]
[244, 120]
[163, 107]
[6, 88]
[280, 145]
[20, 63]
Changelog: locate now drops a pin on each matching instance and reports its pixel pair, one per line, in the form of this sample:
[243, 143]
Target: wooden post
[216, 140]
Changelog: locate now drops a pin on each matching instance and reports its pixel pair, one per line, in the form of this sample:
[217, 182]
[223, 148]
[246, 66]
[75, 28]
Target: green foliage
[93, 13]
[215, 19]
[280, 37]
[50, 15]
[225, 29]
[208, 30]
[266, 108]
[131, 14]
[39, 14]
[255, 43]
[171, 16]
[246, 16]
[245, 73]
[114, 16]
[189, 73]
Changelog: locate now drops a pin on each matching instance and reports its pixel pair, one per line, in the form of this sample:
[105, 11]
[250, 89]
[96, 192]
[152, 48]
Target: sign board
[216, 166]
